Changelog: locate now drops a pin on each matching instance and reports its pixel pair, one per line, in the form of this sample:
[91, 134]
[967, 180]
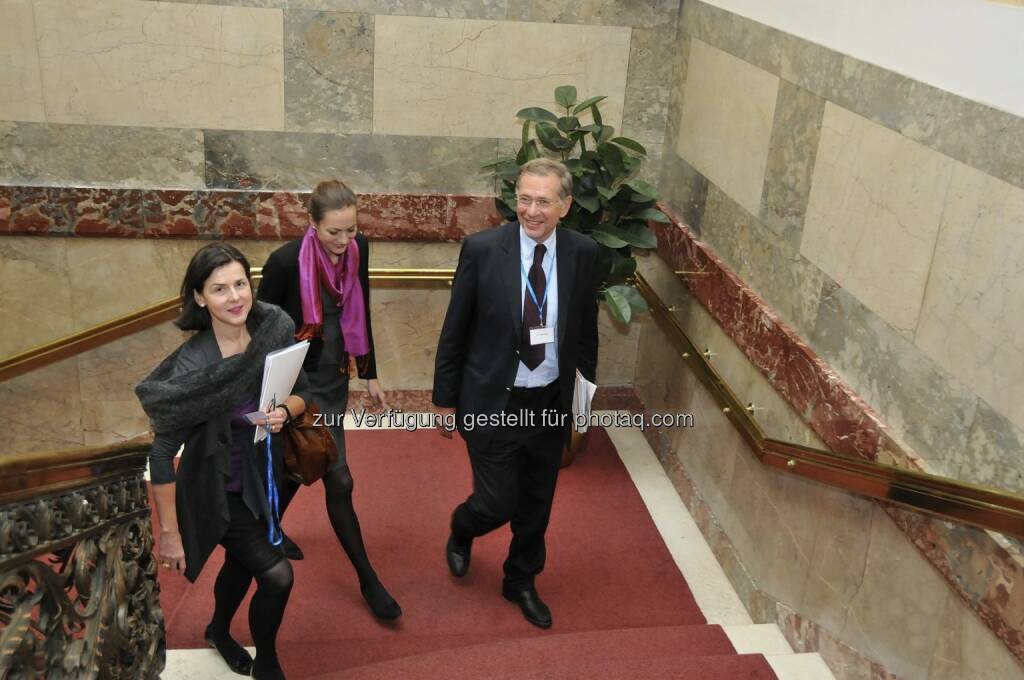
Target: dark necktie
[533, 355]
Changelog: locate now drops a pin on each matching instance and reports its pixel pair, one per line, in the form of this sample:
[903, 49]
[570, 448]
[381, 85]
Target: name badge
[542, 335]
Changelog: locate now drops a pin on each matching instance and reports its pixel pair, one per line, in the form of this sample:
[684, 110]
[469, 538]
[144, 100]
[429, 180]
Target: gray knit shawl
[175, 399]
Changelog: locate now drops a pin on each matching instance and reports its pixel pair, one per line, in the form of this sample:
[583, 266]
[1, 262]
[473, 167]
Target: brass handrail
[981, 506]
[949, 498]
[166, 310]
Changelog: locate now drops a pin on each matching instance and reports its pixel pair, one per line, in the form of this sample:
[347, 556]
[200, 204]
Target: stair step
[548, 650]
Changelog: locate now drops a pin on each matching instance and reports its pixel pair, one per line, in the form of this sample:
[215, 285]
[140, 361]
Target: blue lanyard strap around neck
[547, 287]
[274, 521]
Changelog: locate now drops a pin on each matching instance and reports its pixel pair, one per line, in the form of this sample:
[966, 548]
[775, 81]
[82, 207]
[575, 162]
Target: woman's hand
[276, 418]
[171, 553]
[377, 395]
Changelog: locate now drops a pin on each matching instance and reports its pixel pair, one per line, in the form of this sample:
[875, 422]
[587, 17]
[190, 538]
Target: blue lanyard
[274, 521]
[547, 287]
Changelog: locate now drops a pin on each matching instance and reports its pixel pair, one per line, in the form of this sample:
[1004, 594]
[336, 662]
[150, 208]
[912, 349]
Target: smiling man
[522, 319]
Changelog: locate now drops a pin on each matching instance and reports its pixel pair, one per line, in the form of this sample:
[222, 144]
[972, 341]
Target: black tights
[338, 493]
[273, 587]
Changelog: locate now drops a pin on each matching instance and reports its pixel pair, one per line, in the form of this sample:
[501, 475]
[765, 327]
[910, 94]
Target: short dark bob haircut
[209, 257]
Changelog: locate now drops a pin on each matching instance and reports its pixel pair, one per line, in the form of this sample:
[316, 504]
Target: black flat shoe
[267, 671]
[380, 601]
[234, 654]
[533, 608]
[290, 550]
[457, 553]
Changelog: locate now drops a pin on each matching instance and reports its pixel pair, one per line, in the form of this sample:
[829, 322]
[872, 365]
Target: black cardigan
[280, 286]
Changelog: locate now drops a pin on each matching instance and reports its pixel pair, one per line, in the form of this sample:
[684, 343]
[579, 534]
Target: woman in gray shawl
[199, 396]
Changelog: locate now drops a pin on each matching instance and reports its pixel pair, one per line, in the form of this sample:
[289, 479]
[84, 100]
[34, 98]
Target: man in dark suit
[521, 321]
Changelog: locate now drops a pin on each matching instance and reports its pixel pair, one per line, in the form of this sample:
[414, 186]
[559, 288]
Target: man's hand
[442, 415]
[171, 553]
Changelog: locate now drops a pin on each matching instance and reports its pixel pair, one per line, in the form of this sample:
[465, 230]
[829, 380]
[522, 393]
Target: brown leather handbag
[309, 449]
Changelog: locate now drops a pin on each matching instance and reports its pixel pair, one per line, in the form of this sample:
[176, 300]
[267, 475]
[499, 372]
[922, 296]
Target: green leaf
[508, 172]
[618, 304]
[565, 95]
[575, 166]
[597, 115]
[591, 203]
[636, 299]
[593, 129]
[550, 138]
[528, 152]
[645, 191]
[537, 114]
[568, 123]
[588, 103]
[652, 214]
[622, 269]
[612, 158]
[629, 144]
[608, 192]
[603, 236]
[636, 234]
[606, 133]
[526, 132]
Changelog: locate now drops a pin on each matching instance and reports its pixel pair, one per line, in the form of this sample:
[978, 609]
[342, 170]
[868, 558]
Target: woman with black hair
[199, 396]
[322, 282]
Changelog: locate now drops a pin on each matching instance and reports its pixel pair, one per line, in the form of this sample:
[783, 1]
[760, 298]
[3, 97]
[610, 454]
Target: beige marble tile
[873, 214]
[726, 122]
[616, 350]
[406, 325]
[35, 300]
[108, 375]
[21, 87]
[970, 320]
[468, 78]
[48, 416]
[414, 255]
[113, 277]
[127, 62]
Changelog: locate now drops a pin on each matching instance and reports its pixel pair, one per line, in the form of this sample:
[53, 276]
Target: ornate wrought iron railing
[79, 596]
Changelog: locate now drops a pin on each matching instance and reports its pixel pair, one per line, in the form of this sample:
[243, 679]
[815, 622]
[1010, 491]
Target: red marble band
[169, 213]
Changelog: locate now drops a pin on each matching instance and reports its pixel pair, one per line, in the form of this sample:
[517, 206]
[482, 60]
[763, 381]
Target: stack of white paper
[280, 371]
[582, 395]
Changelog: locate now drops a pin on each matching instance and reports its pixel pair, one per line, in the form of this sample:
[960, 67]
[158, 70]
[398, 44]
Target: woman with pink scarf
[322, 282]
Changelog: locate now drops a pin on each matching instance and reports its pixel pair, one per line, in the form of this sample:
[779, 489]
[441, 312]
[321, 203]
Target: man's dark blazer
[280, 286]
[478, 352]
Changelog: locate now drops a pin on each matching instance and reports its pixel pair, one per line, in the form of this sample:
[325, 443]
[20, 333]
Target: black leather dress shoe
[534, 609]
[457, 553]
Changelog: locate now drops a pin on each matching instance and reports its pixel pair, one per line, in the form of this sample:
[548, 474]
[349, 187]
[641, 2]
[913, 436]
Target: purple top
[240, 429]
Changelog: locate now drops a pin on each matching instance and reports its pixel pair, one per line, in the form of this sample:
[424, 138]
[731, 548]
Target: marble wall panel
[616, 350]
[788, 281]
[49, 413]
[680, 68]
[328, 71]
[646, 99]
[970, 320]
[101, 156]
[992, 454]
[110, 410]
[638, 13]
[726, 123]
[978, 135]
[461, 9]
[928, 409]
[21, 85]
[874, 212]
[457, 78]
[684, 188]
[367, 163]
[35, 300]
[126, 62]
[791, 154]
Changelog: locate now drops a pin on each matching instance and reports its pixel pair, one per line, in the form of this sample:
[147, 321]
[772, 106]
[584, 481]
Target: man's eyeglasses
[541, 203]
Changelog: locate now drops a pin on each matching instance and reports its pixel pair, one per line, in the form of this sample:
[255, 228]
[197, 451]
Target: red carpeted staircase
[621, 608]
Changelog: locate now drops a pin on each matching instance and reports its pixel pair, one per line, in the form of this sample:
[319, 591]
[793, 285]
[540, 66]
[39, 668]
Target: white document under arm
[582, 395]
[280, 371]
